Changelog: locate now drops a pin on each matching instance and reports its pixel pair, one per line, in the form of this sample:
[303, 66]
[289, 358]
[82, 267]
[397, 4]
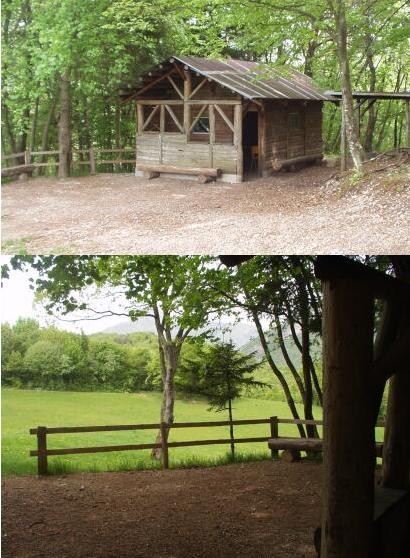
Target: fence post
[164, 444]
[274, 433]
[27, 157]
[42, 450]
[92, 160]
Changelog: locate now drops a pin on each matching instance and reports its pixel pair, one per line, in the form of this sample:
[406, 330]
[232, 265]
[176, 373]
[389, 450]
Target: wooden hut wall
[292, 129]
[161, 141]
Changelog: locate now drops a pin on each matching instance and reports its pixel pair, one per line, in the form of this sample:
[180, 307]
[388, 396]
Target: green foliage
[228, 373]
[104, 45]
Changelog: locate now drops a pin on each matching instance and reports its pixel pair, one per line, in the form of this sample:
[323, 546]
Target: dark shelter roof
[254, 80]
[400, 95]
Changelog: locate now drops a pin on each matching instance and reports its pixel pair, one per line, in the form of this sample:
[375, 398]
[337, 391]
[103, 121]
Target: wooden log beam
[175, 86]
[175, 119]
[332, 268]
[19, 169]
[197, 88]
[348, 446]
[302, 444]
[179, 170]
[237, 138]
[225, 118]
[197, 117]
[150, 117]
[277, 165]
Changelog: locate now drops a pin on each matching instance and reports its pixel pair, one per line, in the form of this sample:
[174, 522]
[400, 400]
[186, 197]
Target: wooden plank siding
[284, 142]
[169, 139]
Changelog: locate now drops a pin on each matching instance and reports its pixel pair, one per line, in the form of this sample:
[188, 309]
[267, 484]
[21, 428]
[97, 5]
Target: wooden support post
[407, 123]
[140, 118]
[274, 433]
[92, 160]
[343, 144]
[42, 465]
[164, 445]
[237, 139]
[396, 447]
[187, 106]
[27, 158]
[261, 141]
[348, 446]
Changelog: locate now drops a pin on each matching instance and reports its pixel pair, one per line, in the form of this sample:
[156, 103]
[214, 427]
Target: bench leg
[151, 174]
[202, 179]
[291, 455]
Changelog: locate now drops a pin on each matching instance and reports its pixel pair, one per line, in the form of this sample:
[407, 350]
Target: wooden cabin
[225, 120]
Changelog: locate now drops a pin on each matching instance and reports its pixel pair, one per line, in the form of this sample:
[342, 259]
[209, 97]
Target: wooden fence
[43, 452]
[79, 157]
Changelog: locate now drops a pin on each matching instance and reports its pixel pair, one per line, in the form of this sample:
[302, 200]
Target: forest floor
[315, 210]
[260, 509]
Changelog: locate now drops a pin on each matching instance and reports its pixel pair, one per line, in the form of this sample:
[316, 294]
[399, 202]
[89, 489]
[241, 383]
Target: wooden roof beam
[328, 268]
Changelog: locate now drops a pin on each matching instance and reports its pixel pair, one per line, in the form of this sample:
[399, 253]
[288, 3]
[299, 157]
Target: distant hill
[243, 334]
[240, 333]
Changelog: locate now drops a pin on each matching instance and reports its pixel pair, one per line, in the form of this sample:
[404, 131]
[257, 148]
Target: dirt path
[261, 509]
[288, 213]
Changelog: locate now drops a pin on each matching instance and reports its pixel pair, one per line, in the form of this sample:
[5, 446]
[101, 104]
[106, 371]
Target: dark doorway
[250, 144]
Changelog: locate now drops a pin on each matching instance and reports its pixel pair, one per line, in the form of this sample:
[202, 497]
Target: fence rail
[92, 161]
[43, 452]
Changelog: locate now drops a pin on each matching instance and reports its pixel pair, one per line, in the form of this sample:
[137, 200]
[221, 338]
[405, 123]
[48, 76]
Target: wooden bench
[293, 446]
[295, 162]
[20, 170]
[204, 174]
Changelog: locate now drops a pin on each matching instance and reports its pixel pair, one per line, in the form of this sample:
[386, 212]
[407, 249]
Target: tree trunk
[64, 132]
[118, 132]
[282, 380]
[352, 135]
[231, 432]
[288, 361]
[32, 141]
[46, 131]
[169, 355]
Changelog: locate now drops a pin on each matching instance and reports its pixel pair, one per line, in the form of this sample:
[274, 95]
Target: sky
[17, 301]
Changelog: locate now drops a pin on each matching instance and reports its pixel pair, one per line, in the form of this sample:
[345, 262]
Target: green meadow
[25, 409]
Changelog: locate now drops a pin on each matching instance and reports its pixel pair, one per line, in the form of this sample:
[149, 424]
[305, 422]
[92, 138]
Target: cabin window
[202, 126]
[200, 131]
[294, 120]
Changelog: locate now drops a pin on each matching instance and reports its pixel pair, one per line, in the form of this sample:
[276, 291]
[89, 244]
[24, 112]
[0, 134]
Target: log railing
[43, 451]
[90, 157]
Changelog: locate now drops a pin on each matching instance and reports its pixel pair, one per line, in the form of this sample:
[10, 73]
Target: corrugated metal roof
[382, 95]
[254, 80]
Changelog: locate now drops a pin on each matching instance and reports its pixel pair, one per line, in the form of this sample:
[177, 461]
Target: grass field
[24, 409]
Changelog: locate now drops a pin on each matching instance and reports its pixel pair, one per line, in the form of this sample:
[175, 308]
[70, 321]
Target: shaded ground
[261, 509]
[289, 213]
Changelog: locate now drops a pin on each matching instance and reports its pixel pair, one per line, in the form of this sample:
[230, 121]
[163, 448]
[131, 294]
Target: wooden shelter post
[237, 139]
[348, 448]
[187, 106]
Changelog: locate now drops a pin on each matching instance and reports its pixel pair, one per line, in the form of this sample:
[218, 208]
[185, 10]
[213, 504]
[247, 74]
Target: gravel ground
[261, 509]
[288, 213]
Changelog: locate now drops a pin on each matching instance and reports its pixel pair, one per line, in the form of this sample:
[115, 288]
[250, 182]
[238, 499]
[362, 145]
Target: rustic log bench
[295, 162]
[20, 170]
[293, 446]
[204, 174]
